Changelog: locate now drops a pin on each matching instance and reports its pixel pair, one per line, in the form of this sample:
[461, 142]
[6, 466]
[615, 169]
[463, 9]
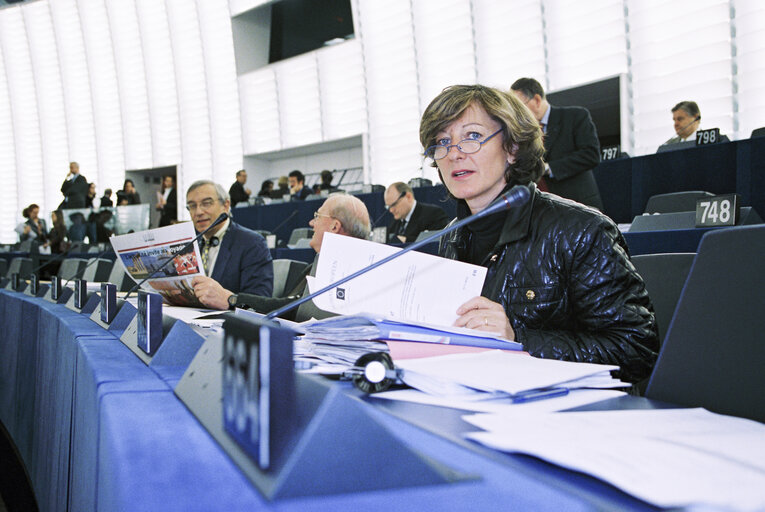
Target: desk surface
[135, 446]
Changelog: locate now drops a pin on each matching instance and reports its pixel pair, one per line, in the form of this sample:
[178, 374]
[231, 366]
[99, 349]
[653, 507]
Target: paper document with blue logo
[416, 287]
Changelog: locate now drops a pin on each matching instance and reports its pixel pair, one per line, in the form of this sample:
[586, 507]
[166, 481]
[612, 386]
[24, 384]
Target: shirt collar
[546, 118]
[411, 211]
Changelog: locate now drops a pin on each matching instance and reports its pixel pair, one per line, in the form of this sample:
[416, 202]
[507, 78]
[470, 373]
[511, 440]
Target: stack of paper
[671, 458]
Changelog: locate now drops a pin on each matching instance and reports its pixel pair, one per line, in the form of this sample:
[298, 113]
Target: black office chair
[664, 275]
[22, 266]
[299, 233]
[287, 274]
[98, 271]
[3, 267]
[758, 132]
[675, 201]
[70, 268]
[714, 348]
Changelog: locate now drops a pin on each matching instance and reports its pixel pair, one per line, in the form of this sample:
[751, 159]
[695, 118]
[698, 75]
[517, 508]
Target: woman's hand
[482, 314]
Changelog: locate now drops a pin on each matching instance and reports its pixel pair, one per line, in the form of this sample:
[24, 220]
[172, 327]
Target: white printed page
[416, 287]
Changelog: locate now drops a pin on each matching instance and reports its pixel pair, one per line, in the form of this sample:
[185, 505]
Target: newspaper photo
[163, 254]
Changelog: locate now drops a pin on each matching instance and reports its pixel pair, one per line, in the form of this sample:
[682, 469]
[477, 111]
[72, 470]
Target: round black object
[372, 377]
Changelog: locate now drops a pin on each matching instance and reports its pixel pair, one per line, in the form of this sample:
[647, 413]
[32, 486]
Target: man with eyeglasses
[236, 259]
[571, 144]
[341, 214]
[410, 217]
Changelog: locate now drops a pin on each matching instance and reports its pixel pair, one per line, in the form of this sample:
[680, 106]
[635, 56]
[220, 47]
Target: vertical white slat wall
[749, 80]
[297, 80]
[683, 54]
[9, 215]
[509, 40]
[132, 87]
[261, 131]
[107, 114]
[50, 103]
[342, 89]
[24, 111]
[586, 41]
[393, 102]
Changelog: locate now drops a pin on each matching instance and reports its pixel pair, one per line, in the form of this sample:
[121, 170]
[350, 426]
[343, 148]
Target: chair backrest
[684, 201]
[3, 267]
[758, 132]
[22, 266]
[70, 268]
[303, 243]
[714, 348]
[287, 274]
[299, 233]
[425, 234]
[98, 270]
[664, 275]
[119, 277]
[31, 246]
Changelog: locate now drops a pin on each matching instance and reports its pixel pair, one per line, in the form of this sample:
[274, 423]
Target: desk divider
[92, 302]
[179, 342]
[125, 313]
[336, 446]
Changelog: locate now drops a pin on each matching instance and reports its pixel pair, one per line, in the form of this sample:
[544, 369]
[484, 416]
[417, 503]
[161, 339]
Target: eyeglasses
[466, 146]
[316, 215]
[206, 204]
[400, 197]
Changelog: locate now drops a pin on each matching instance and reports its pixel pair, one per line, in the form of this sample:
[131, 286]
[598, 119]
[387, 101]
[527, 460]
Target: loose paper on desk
[416, 287]
[143, 252]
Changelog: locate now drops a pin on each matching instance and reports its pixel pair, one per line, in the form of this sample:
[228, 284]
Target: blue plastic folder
[367, 327]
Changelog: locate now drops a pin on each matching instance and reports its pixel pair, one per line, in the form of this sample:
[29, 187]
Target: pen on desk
[539, 394]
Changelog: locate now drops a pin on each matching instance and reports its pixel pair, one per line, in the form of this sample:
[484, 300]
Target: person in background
[237, 192]
[106, 199]
[559, 279]
[283, 185]
[298, 190]
[235, 258]
[686, 117]
[34, 227]
[410, 218]
[128, 192]
[57, 237]
[341, 214]
[91, 195]
[326, 181]
[167, 201]
[571, 145]
[266, 188]
[74, 188]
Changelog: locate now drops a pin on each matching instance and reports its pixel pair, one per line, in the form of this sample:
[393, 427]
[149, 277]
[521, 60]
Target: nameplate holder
[610, 152]
[722, 210]
[108, 306]
[124, 313]
[320, 454]
[34, 285]
[15, 281]
[80, 293]
[708, 136]
[55, 288]
[149, 334]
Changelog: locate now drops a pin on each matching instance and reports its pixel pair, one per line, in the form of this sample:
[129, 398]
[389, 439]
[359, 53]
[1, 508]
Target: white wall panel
[9, 214]
[260, 111]
[342, 89]
[299, 109]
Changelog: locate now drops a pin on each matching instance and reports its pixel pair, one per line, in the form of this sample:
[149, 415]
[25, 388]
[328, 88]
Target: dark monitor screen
[603, 100]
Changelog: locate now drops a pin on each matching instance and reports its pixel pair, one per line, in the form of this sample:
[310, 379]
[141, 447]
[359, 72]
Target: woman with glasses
[559, 279]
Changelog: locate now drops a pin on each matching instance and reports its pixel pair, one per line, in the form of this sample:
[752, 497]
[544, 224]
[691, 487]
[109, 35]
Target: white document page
[499, 370]
[670, 457]
[416, 287]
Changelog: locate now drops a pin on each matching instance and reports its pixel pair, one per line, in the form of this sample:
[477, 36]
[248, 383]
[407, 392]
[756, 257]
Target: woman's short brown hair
[521, 134]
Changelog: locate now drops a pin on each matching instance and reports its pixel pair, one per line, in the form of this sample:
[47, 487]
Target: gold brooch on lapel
[530, 294]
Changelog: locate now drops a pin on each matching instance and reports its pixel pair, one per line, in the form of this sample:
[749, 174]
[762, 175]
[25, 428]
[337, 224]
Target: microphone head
[516, 196]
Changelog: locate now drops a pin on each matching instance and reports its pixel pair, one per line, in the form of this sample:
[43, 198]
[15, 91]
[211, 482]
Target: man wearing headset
[685, 117]
[235, 258]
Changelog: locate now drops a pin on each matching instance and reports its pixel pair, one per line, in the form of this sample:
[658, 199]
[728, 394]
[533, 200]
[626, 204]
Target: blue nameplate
[149, 336]
[55, 287]
[108, 302]
[258, 387]
[80, 293]
[34, 284]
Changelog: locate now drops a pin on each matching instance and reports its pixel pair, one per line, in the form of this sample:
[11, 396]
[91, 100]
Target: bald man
[341, 214]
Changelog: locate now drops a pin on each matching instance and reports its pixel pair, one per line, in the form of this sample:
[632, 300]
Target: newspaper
[144, 252]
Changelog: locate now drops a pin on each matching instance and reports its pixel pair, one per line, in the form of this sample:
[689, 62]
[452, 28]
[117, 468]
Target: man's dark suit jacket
[74, 191]
[237, 194]
[169, 212]
[244, 262]
[425, 217]
[572, 150]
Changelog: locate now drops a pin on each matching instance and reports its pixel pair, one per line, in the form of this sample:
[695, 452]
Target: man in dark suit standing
[410, 217]
[235, 258]
[571, 142]
[74, 188]
[238, 193]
